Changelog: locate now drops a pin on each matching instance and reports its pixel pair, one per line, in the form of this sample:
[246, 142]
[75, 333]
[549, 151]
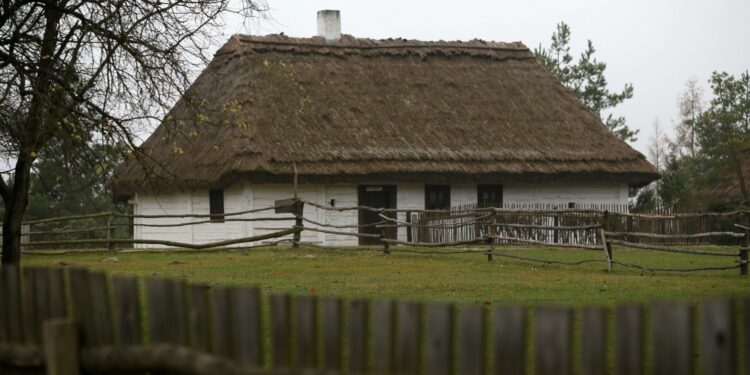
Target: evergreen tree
[646, 199]
[586, 79]
[675, 189]
[60, 187]
[723, 131]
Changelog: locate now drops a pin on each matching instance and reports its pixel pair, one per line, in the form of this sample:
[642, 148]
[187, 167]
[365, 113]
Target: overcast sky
[656, 45]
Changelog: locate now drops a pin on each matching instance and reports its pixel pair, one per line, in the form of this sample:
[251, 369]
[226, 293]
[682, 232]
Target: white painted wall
[463, 194]
[163, 204]
[343, 196]
[564, 193]
[242, 197]
[234, 201]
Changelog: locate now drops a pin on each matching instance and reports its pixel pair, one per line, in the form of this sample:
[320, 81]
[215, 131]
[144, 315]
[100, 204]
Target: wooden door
[377, 196]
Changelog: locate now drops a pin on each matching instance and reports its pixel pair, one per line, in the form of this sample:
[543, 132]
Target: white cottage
[386, 123]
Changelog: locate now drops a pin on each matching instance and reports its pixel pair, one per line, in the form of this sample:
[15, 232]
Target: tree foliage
[675, 189]
[75, 74]
[63, 187]
[585, 77]
[707, 157]
[723, 130]
[646, 199]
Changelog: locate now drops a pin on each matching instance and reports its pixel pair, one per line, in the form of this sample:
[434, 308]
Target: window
[216, 205]
[437, 197]
[490, 196]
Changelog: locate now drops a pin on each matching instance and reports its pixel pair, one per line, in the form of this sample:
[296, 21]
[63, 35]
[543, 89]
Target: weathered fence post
[556, 223]
[593, 341]
[221, 343]
[628, 340]
[509, 335]
[629, 228]
[746, 248]
[383, 330]
[493, 234]
[81, 298]
[471, 333]
[101, 310]
[305, 330]
[718, 337]
[280, 331]
[11, 284]
[127, 307]
[298, 211]
[200, 317]
[293, 206]
[246, 323]
[384, 235]
[439, 338]
[110, 233]
[552, 332]
[408, 227]
[408, 333]
[332, 317]
[32, 335]
[606, 246]
[61, 349]
[358, 336]
[671, 338]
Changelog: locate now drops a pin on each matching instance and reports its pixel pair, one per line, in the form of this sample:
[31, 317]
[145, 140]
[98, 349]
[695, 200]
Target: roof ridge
[431, 45]
[391, 43]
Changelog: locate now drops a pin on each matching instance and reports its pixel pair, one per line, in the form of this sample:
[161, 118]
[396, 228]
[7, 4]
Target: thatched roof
[363, 108]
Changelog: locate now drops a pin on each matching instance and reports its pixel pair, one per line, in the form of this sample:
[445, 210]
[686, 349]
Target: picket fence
[71, 320]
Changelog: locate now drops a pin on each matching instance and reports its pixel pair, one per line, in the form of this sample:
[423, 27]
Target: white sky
[655, 45]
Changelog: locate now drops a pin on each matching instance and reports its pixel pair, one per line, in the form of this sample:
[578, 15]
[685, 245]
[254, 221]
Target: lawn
[462, 278]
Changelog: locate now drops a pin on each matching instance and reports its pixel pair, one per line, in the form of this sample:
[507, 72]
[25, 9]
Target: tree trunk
[15, 206]
[17, 197]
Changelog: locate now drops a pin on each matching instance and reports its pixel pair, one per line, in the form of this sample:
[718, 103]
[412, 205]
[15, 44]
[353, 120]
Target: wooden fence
[70, 320]
[115, 230]
[549, 223]
[480, 230]
[558, 224]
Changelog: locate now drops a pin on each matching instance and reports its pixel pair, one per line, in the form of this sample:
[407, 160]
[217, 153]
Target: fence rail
[578, 226]
[486, 230]
[71, 320]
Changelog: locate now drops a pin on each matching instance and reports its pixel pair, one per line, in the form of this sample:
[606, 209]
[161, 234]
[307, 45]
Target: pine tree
[723, 130]
[586, 79]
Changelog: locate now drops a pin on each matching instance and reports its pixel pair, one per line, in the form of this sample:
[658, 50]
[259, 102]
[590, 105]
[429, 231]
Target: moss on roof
[363, 108]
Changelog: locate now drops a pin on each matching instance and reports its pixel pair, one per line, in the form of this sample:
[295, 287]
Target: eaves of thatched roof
[376, 109]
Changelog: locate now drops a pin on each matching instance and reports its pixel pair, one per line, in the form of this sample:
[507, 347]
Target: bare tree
[657, 149]
[691, 105]
[79, 72]
[657, 153]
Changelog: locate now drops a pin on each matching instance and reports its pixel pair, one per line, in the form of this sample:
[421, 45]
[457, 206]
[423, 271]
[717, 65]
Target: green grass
[462, 278]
